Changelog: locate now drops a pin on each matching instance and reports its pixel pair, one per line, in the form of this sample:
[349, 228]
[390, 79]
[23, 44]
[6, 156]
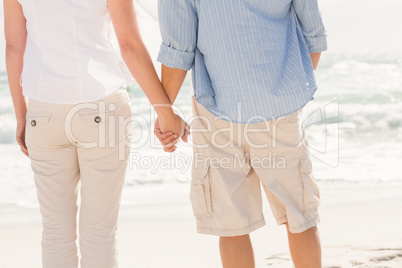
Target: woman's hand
[170, 121]
[21, 137]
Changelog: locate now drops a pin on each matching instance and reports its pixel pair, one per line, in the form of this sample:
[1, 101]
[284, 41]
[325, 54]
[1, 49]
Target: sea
[354, 123]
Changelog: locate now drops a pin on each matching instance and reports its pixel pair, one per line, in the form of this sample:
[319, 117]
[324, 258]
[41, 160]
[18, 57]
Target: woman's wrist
[21, 116]
[21, 121]
[164, 111]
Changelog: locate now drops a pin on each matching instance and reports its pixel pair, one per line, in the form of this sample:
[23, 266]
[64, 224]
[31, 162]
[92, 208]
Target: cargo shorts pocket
[311, 192]
[200, 193]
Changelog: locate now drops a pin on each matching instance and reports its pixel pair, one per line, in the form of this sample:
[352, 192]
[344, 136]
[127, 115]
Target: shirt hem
[273, 117]
[108, 92]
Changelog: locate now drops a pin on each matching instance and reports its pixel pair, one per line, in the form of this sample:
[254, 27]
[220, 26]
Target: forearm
[141, 67]
[315, 58]
[14, 65]
[172, 80]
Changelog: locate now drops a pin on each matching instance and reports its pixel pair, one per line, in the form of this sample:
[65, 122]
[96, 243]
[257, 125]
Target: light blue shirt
[250, 59]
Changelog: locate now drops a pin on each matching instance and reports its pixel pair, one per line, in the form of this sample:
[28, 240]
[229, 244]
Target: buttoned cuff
[316, 44]
[173, 58]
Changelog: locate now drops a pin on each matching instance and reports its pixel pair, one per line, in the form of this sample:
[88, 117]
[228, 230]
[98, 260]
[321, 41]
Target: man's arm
[178, 24]
[313, 28]
[172, 80]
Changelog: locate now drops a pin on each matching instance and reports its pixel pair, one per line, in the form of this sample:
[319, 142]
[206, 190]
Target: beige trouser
[83, 143]
[230, 163]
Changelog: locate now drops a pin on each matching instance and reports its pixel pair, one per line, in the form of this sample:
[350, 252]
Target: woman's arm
[16, 36]
[139, 63]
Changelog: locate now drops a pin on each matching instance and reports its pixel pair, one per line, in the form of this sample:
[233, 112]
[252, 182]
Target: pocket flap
[91, 115]
[39, 118]
[305, 165]
[198, 201]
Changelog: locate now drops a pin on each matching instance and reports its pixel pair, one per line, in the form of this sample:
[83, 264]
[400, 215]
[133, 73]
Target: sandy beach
[361, 206]
[361, 226]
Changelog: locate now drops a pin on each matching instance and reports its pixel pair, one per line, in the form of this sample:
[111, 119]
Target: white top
[69, 55]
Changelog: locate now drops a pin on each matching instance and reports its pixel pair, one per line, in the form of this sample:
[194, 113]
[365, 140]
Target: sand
[361, 226]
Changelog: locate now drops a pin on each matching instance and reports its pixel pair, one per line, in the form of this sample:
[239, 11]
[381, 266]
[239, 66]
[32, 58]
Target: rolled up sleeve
[312, 25]
[178, 24]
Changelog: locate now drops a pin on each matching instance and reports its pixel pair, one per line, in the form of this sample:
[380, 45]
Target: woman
[77, 123]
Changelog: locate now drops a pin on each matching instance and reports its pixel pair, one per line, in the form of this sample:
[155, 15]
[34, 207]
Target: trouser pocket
[200, 194]
[37, 130]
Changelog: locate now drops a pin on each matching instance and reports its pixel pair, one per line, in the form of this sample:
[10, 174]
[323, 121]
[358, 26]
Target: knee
[309, 231]
[234, 239]
[59, 229]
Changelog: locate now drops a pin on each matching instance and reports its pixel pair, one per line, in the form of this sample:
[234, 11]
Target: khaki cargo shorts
[231, 162]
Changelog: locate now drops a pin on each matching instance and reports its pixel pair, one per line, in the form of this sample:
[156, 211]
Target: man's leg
[236, 251]
[305, 248]
[226, 197]
[289, 184]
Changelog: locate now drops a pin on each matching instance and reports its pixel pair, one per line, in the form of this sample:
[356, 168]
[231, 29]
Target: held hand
[170, 139]
[173, 123]
[20, 136]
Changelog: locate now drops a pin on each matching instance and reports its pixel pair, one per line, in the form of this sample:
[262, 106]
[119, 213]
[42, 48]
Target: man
[253, 65]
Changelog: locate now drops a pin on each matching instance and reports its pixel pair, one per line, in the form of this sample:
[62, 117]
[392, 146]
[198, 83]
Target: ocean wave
[368, 89]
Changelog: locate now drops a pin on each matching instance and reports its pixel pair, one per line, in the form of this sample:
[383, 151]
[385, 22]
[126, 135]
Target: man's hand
[170, 139]
[315, 58]
[20, 136]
